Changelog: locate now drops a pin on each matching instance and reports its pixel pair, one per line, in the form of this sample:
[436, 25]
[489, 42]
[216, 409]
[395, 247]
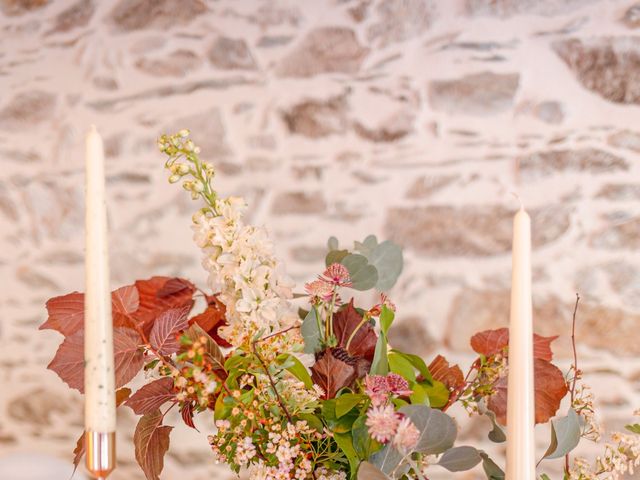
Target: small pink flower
[319, 290]
[407, 435]
[398, 385]
[337, 274]
[382, 422]
[377, 389]
[376, 310]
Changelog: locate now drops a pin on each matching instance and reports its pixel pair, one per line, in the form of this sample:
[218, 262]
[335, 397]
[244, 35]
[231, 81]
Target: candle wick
[519, 199]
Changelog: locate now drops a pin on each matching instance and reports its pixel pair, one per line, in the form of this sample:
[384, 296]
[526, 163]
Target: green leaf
[364, 445]
[380, 364]
[368, 471]
[311, 333]
[346, 402]
[332, 243]
[400, 365]
[437, 429]
[345, 442]
[459, 459]
[437, 392]
[335, 256]
[335, 424]
[634, 428]
[419, 395]
[363, 275]
[221, 411]
[386, 319]
[297, 369]
[418, 363]
[544, 476]
[493, 471]
[312, 420]
[565, 435]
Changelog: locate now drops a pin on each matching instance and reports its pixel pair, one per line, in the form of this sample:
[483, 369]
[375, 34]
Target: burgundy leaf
[550, 389]
[151, 440]
[442, 371]
[124, 301]
[173, 286]
[345, 322]
[164, 334]
[68, 361]
[212, 319]
[491, 342]
[152, 396]
[129, 357]
[152, 304]
[187, 415]
[66, 314]
[334, 370]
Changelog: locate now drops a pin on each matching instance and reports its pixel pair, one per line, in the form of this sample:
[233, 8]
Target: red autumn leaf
[151, 441]
[152, 304]
[442, 371]
[345, 322]
[333, 371]
[175, 285]
[68, 361]
[66, 313]
[78, 452]
[491, 342]
[187, 415]
[212, 319]
[129, 357]
[550, 389]
[124, 301]
[152, 396]
[164, 334]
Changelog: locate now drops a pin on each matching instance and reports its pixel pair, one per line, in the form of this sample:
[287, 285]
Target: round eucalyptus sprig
[185, 164]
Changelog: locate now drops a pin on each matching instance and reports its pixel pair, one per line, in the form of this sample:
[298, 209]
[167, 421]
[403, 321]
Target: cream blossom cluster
[243, 268]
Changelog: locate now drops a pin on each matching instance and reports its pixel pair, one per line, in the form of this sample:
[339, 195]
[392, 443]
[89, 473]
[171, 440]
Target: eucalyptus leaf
[565, 435]
[387, 258]
[332, 243]
[335, 256]
[387, 459]
[311, 332]
[459, 459]
[493, 471]
[437, 429]
[366, 246]
[497, 434]
[364, 276]
[368, 471]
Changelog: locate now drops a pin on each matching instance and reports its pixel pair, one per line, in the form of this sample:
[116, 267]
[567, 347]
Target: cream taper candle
[520, 400]
[99, 377]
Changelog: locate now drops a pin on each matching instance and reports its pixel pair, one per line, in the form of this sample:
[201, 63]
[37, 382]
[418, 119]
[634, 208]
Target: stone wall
[410, 119]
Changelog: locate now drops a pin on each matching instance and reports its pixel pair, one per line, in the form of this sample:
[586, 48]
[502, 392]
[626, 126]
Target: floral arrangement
[315, 392]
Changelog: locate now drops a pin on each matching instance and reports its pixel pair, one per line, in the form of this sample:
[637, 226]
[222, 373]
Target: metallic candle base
[101, 453]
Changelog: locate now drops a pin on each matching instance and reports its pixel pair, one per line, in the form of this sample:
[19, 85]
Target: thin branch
[575, 368]
[271, 381]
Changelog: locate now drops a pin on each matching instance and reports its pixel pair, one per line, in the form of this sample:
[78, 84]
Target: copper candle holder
[101, 453]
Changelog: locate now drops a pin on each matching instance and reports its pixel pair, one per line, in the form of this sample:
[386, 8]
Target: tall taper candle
[99, 378]
[520, 401]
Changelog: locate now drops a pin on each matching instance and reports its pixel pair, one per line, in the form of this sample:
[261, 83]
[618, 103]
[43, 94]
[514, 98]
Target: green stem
[333, 305]
[365, 318]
